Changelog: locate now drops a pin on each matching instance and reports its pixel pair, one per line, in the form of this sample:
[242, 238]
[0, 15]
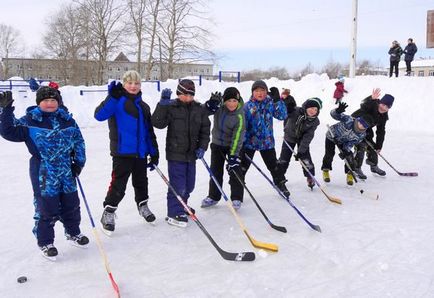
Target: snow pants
[182, 176]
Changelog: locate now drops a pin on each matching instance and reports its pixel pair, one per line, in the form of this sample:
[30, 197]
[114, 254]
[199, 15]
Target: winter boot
[108, 219]
[310, 182]
[49, 252]
[375, 169]
[281, 185]
[145, 212]
[78, 240]
[350, 179]
[178, 220]
[236, 204]
[326, 176]
[359, 173]
[208, 202]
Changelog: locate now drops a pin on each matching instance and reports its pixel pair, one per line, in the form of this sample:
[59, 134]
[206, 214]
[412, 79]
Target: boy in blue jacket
[58, 156]
[345, 134]
[132, 140]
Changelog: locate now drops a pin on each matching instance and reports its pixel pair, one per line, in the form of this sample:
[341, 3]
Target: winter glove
[233, 163]
[199, 153]
[274, 94]
[214, 102]
[75, 169]
[348, 156]
[115, 89]
[165, 96]
[300, 155]
[290, 105]
[341, 108]
[6, 99]
[153, 160]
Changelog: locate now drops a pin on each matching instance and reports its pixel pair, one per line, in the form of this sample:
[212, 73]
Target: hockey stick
[314, 227]
[278, 228]
[255, 243]
[99, 243]
[362, 191]
[408, 174]
[230, 256]
[330, 198]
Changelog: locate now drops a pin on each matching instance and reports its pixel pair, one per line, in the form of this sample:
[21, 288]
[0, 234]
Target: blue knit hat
[387, 100]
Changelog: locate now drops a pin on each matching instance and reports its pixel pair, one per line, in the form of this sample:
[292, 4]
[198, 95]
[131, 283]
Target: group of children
[239, 130]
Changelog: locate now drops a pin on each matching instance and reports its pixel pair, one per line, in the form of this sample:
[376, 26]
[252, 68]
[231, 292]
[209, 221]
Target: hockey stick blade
[330, 198]
[408, 174]
[262, 245]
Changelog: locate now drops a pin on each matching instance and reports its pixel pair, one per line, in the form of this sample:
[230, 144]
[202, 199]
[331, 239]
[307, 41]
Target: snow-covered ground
[367, 248]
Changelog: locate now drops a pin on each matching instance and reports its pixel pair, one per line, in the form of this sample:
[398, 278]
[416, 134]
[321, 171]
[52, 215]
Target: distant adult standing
[409, 51]
[395, 53]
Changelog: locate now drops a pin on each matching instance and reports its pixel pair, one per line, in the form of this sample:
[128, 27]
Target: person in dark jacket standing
[188, 129]
[409, 51]
[54, 140]
[227, 138]
[377, 109]
[132, 140]
[300, 130]
[259, 112]
[395, 53]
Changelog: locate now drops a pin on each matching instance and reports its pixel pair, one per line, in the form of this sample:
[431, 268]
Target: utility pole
[353, 41]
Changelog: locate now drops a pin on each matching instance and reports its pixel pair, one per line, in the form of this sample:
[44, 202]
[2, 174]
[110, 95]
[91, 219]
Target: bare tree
[105, 28]
[182, 40]
[154, 9]
[332, 68]
[9, 45]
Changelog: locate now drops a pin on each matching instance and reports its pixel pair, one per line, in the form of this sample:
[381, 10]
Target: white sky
[257, 25]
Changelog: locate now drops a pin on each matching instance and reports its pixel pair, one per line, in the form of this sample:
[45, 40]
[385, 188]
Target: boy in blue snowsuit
[345, 134]
[58, 156]
[188, 129]
[259, 113]
[132, 139]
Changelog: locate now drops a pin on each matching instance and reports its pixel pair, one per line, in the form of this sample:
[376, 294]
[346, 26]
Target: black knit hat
[185, 87]
[259, 84]
[230, 93]
[45, 92]
[313, 102]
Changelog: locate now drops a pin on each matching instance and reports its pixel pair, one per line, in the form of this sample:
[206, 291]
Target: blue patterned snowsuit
[54, 141]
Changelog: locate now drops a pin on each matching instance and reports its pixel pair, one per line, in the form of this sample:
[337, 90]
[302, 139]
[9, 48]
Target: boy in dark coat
[259, 112]
[132, 139]
[395, 53]
[345, 134]
[227, 138]
[409, 51]
[188, 129]
[300, 130]
[377, 109]
[58, 156]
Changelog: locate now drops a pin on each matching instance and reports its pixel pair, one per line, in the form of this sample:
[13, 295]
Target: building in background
[419, 68]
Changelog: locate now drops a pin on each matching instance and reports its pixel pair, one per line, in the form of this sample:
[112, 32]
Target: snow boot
[236, 204]
[178, 220]
[281, 185]
[108, 219]
[310, 182]
[145, 212]
[326, 176]
[208, 202]
[49, 252]
[360, 174]
[350, 179]
[78, 240]
[375, 169]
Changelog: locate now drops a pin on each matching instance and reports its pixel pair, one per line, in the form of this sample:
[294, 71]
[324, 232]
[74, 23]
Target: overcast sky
[263, 33]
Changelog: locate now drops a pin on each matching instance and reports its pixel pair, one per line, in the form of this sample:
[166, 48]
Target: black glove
[214, 102]
[290, 105]
[75, 169]
[6, 99]
[233, 163]
[341, 108]
[300, 155]
[274, 94]
[153, 160]
[349, 157]
[115, 89]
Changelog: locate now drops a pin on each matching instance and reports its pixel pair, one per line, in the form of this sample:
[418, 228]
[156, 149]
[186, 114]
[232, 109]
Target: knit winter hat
[366, 121]
[230, 93]
[259, 84]
[45, 92]
[313, 102]
[285, 91]
[387, 99]
[185, 87]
